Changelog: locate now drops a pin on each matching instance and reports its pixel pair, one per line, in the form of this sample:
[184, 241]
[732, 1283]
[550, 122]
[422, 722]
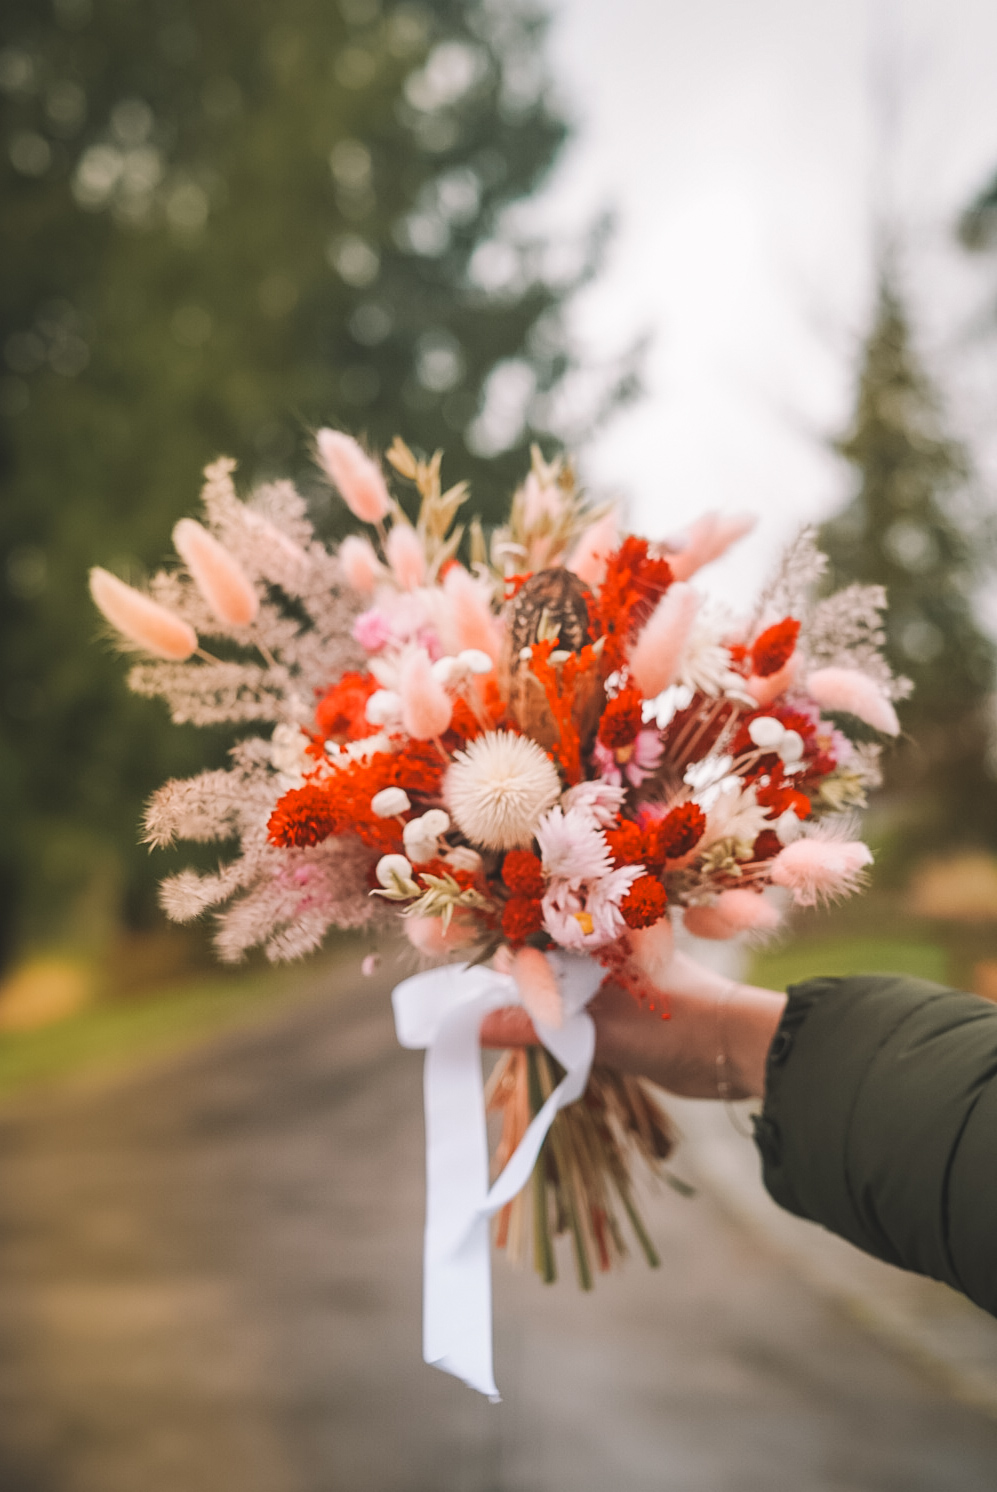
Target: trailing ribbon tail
[441, 1011]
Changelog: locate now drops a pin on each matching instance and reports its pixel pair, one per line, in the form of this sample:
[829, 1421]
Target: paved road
[210, 1281]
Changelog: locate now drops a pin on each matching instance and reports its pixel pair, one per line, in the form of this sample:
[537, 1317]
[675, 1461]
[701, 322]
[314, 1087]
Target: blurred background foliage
[225, 224]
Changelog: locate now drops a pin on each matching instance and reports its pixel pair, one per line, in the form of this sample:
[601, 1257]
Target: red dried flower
[773, 648]
[341, 713]
[303, 816]
[633, 586]
[621, 719]
[522, 916]
[767, 845]
[645, 902]
[626, 843]
[522, 872]
[675, 835]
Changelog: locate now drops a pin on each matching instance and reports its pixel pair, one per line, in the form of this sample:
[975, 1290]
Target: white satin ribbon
[442, 1011]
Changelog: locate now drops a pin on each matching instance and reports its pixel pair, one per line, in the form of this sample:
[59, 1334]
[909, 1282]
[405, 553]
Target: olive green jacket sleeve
[880, 1122]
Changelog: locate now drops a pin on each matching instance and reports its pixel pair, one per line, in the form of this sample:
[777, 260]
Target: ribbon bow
[441, 1011]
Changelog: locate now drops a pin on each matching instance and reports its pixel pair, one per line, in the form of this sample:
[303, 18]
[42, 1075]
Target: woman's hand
[707, 1037]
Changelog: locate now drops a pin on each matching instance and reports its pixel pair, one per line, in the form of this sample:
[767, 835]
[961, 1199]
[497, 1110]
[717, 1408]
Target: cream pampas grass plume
[426, 705]
[406, 556]
[217, 574]
[473, 622]
[359, 480]
[855, 693]
[707, 539]
[498, 788]
[820, 870]
[593, 549]
[361, 567]
[657, 653]
[733, 912]
[537, 986]
[141, 621]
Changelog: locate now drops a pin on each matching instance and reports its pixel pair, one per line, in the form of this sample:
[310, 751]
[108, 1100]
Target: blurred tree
[225, 223]
[915, 527]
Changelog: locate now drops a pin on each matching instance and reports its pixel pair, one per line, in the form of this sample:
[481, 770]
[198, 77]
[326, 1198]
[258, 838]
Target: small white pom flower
[475, 661]
[384, 707]
[394, 873]
[390, 802]
[421, 836]
[498, 788]
[767, 732]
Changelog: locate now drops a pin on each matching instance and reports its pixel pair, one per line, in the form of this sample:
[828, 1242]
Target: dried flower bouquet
[543, 739]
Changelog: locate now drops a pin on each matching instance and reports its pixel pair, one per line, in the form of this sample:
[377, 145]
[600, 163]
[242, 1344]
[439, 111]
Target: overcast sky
[748, 147]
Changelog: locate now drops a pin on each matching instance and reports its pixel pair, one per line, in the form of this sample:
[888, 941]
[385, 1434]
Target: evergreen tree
[913, 527]
[224, 224]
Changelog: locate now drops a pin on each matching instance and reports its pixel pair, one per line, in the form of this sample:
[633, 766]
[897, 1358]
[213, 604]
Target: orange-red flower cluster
[341, 712]
[340, 804]
[626, 843]
[522, 916]
[675, 835]
[633, 586]
[522, 872]
[645, 902]
[621, 719]
[773, 648]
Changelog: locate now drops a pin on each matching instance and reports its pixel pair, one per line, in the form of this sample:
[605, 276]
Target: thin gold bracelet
[722, 1077]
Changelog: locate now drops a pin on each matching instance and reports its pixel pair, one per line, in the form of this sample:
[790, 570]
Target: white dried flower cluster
[498, 788]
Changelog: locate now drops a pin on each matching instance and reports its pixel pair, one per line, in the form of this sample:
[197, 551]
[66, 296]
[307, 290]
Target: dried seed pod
[552, 603]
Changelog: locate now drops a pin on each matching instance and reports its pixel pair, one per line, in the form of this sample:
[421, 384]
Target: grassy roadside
[111, 1036]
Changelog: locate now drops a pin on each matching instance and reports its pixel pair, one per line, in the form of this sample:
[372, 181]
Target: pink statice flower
[645, 759]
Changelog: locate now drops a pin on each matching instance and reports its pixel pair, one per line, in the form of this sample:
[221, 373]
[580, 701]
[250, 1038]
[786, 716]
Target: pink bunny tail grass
[733, 912]
[140, 620]
[474, 624]
[764, 690]
[657, 653]
[537, 986]
[707, 539]
[653, 950]
[358, 478]
[596, 544]
[217, 574]
[855, 693]
[406, 556]
[426, 706]
[361, 567]
[820, 870]
[427, 934]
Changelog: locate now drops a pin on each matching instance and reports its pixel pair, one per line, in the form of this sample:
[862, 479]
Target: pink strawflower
[644, 759]
[359, 479]
[855, 693]
[361, 567]
[707, 539]
[141, 621]
[406, 556]
[474, 626]
[598, 798]
[596, 544]
[820, 870]
[426, 705]
[657, 654]
[372, 630]
[537, 986]
[217, 574]
[590, 916]
[572, 846]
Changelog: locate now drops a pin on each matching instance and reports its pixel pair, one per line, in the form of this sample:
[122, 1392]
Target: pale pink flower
[140, 620]
[707, 539]
[372, 630]
[656, 656]
[591, 553]
[426, 705]
[572, 846]
[598, 798]
[217, 574]
[644, 759]
[474, 625]
[538, 989]
[855, 693]
[731, 913]
[358, 478]
[361, 567]
[819, 870]
[589, 917]
[406, 556]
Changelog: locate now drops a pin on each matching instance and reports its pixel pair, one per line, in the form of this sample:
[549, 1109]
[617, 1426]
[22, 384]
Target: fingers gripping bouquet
[533, 760]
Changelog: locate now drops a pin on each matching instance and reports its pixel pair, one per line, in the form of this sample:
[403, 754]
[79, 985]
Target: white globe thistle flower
[390, 802]
[498, 788]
